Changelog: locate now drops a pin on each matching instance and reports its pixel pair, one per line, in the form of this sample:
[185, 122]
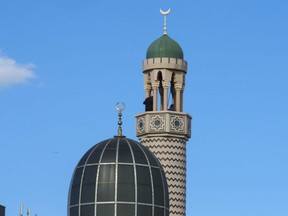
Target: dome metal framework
[118, 177]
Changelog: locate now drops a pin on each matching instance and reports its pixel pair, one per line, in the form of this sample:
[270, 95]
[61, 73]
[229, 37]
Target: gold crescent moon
[121, 108]
[165, 12]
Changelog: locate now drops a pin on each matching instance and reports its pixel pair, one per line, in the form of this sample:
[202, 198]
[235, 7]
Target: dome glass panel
[144, 185]
[110, 152]
[106, 183]
[105, 209]
[126, 183]
[88, 186]
[75, 190]
[95, 155]
[125, 155]
[139, 155]
[143, 210]
[126, 209]
[74, 211]
[87, 210]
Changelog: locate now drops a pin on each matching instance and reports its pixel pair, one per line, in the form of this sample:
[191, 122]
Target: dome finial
[120, 106]
[165, 13]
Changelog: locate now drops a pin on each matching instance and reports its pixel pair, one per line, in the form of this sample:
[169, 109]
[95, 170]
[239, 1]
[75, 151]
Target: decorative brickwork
[165, 134]
[171, 153]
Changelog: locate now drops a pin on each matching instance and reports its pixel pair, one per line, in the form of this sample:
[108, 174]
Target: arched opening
[148, 87]
[172, 94]
[160, 88]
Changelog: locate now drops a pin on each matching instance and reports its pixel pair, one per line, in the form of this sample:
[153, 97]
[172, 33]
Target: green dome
[164, 47]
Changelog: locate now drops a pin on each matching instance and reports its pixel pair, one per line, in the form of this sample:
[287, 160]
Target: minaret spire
[165, 13]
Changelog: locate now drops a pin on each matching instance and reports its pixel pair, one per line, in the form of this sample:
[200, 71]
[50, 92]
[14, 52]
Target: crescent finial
[165, 13]
[120, 106]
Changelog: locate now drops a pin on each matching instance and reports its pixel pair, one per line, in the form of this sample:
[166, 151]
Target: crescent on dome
[165, 12]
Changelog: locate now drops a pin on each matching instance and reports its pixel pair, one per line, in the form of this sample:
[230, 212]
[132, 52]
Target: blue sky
[64, 65]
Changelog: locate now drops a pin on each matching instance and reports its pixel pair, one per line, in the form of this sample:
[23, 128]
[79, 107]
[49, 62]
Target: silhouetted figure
[148, 103]
[172, 108]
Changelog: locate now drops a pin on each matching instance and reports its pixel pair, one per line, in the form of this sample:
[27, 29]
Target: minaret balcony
[165, 62]
[163, 123]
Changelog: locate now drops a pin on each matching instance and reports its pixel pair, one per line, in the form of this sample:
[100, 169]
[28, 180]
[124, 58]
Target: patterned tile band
[168, 122]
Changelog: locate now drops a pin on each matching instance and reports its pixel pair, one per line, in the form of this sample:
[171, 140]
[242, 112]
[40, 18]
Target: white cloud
[12, 73]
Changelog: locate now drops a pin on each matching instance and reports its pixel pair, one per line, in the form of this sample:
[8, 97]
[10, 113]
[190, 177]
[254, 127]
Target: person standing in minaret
[148, 103]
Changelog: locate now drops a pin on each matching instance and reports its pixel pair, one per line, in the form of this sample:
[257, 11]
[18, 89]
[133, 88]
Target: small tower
[166, 128]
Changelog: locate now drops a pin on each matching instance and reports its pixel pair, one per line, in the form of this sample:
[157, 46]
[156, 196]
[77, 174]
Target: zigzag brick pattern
[171, 152]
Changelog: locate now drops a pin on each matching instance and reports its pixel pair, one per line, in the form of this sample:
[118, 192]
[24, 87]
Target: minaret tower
[165, 128]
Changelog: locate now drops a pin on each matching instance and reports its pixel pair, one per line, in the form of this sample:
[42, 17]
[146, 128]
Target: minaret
[165, 128]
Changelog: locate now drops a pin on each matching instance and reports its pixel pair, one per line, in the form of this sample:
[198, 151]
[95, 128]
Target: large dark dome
[121, 177]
